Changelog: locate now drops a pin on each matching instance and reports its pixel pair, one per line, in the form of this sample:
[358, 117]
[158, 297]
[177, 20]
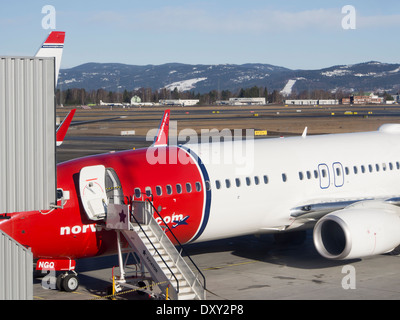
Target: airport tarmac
[243, 268]
[248, 268]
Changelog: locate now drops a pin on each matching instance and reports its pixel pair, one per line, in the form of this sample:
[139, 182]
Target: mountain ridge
[203, 78]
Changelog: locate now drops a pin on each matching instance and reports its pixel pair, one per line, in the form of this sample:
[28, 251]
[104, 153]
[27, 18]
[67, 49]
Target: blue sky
[295, 34]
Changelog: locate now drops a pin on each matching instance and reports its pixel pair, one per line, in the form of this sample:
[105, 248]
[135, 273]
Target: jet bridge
[27, 134]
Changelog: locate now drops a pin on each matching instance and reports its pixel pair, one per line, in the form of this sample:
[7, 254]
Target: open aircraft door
[93, 191]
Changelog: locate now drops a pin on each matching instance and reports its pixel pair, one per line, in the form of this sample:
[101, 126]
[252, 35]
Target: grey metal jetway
[16, 274]
[27, 134]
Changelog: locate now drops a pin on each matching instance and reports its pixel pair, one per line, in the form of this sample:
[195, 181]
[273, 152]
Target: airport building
[179, 102]
[247, 101]
[311, 102]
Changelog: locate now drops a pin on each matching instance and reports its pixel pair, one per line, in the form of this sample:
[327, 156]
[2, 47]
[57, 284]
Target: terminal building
[247, 101]
[180, 102]
[311, 102]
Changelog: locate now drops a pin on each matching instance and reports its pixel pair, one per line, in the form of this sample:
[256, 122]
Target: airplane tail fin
[163, 131]
[63, 128]
[53, 47]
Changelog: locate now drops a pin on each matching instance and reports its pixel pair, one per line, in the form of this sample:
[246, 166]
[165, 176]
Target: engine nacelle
[364, 229]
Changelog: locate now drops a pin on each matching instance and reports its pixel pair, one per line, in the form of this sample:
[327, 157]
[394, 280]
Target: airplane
[343, 186]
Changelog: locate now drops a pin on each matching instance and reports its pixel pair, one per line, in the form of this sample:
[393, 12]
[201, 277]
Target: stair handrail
[180, 245]
[159, 254]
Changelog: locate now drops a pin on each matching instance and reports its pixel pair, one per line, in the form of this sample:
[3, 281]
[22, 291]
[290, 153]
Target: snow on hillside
[287, 90]
[184, 85]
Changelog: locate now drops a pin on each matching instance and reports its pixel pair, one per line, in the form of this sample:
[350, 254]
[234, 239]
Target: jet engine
[363, 229]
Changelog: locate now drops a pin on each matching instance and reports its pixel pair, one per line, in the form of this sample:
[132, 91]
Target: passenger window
[355, 170]
[218, 184]
[370, 168]
[266, 179]
[237, 180]
[169, 189]
[208, 185]
[148, 191]
[228, 183]
[301, 176]
[362, 169]
[384, 166]
[138, 193]
[284, 177]
[338, 172]
[256, 180]
[198, 186]
[347, 171]
[398, 165]
[248, 182]
[377, 167]
[315, 174]
[178, 188]
[390, 166]
[188, 187]
[308, 175]
[159, 190]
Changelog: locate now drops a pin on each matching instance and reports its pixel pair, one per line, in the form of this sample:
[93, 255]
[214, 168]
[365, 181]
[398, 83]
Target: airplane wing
[53, 47]
[162, 135]
[63, 128]
[316, 210]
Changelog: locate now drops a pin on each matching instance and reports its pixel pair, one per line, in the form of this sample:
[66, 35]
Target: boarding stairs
[161, 258]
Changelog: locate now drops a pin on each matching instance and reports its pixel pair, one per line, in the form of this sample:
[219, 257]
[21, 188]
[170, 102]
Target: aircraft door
[324, 179]
[93, 191]
[338, 174]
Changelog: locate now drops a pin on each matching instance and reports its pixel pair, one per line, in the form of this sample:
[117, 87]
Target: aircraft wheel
[70, 283]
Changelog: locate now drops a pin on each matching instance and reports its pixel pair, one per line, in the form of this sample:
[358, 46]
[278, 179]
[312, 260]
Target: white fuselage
[255, 187]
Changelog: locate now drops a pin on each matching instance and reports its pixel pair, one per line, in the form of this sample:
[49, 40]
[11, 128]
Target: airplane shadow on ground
[265, 249]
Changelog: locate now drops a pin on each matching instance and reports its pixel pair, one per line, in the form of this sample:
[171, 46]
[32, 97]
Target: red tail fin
[163, 130]
[63, 128]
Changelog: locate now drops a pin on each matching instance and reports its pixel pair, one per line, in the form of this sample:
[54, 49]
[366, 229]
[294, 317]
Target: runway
[244, 268]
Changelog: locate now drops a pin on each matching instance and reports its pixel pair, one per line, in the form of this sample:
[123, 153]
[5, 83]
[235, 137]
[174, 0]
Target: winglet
[63, 128]
[53, 47]
[162, 136]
